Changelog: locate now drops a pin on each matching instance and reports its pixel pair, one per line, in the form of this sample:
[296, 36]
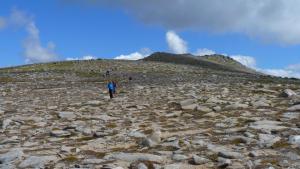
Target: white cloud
[144, 52]
[132, 56]
[271, 20]
[33, 52]
[295, 67]
[2, 23]
[282, 72]
[175, 43]
[204, 52]
[88, 57]
[245, 60]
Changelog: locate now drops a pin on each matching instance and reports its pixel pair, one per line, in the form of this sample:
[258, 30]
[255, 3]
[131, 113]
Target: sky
[261, 34]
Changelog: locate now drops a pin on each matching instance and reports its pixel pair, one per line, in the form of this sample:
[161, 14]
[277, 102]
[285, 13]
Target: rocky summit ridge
[168, 113]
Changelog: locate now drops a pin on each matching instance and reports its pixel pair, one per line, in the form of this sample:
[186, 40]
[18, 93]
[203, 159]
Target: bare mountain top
[218, 62]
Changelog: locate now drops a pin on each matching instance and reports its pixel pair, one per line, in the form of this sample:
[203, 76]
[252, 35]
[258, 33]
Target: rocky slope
[59, 115]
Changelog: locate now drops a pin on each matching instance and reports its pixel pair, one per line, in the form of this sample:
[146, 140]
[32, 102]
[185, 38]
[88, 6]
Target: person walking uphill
[111, 89]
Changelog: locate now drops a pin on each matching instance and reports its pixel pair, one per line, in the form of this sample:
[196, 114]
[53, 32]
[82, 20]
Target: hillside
[193, 114]
[217, 62]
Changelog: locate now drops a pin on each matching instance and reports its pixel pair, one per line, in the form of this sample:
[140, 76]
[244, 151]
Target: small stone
[142, 166]
[235, 106]
[267, 140]
[94, 102]
[6, 123]
[217, 108]
[190, 107]
[199, 160]
[93, 161]
[230, 155]
[223, 163]
[60, 133]
[253, 154]
[204, 109]
[187, 102]
[37, 162]
[179, 157]
[66, 149]
[67, 115]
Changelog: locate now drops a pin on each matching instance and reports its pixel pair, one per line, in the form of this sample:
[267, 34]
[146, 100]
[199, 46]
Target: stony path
[63, 124]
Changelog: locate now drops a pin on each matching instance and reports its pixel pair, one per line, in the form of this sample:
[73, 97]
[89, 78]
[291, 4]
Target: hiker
[115, 87]
[107, 73]
[111, 89]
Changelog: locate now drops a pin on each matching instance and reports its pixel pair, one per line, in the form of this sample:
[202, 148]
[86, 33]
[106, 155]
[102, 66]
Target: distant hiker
[130, 78]
[107, 73]
[115, 87]
[111, 89]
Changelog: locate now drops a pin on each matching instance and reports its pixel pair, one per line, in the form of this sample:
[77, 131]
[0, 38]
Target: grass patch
[71, 159]
[111, 125]
[280, 144]
[7, 79]
[88, 138]
[94, 153]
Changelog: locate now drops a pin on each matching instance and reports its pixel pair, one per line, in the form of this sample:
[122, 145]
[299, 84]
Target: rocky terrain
[171, 116]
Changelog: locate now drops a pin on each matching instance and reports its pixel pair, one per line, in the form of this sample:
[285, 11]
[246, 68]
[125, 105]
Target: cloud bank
[269, 20]
[88, 57]
[245, 60]
[204, 51]
[175, 43]
[135, 55]
[33, 52]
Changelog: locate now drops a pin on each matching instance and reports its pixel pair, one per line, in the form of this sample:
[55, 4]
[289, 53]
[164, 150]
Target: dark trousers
[111, 94]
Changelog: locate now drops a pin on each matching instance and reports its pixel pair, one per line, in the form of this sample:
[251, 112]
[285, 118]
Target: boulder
[179, 157]
[12, 155]
[288, 93]
[37, 162]
[60, 133]
[230, 155]
[267, 140]
[294, 139]
[67, 115]
[199, 160]
[132, 157]
[294, 108]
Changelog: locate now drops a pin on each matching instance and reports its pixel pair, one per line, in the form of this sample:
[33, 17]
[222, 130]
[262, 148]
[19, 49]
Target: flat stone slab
[11, 156]
[267, 125]
[37, 162]
[267, 140]
[132, 157]
[294, 108]
[60, 133]
[67, 115]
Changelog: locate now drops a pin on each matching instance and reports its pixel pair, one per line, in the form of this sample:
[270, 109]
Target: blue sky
[40, 31]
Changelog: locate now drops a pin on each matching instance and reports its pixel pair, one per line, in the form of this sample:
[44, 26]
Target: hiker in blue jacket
[111, 89]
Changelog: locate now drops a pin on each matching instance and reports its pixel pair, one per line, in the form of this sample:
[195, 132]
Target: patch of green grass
[111, 125]
[7, 79]
[87, 138]
[88, 74]
[237, 141]
[280, 144]
[71, 159]
[272, 161]
[94, 153]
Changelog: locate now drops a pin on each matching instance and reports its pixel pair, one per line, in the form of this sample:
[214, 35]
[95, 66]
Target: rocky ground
[168, 116]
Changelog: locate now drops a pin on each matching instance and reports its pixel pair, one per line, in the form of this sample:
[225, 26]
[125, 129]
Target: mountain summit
[219, 62]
